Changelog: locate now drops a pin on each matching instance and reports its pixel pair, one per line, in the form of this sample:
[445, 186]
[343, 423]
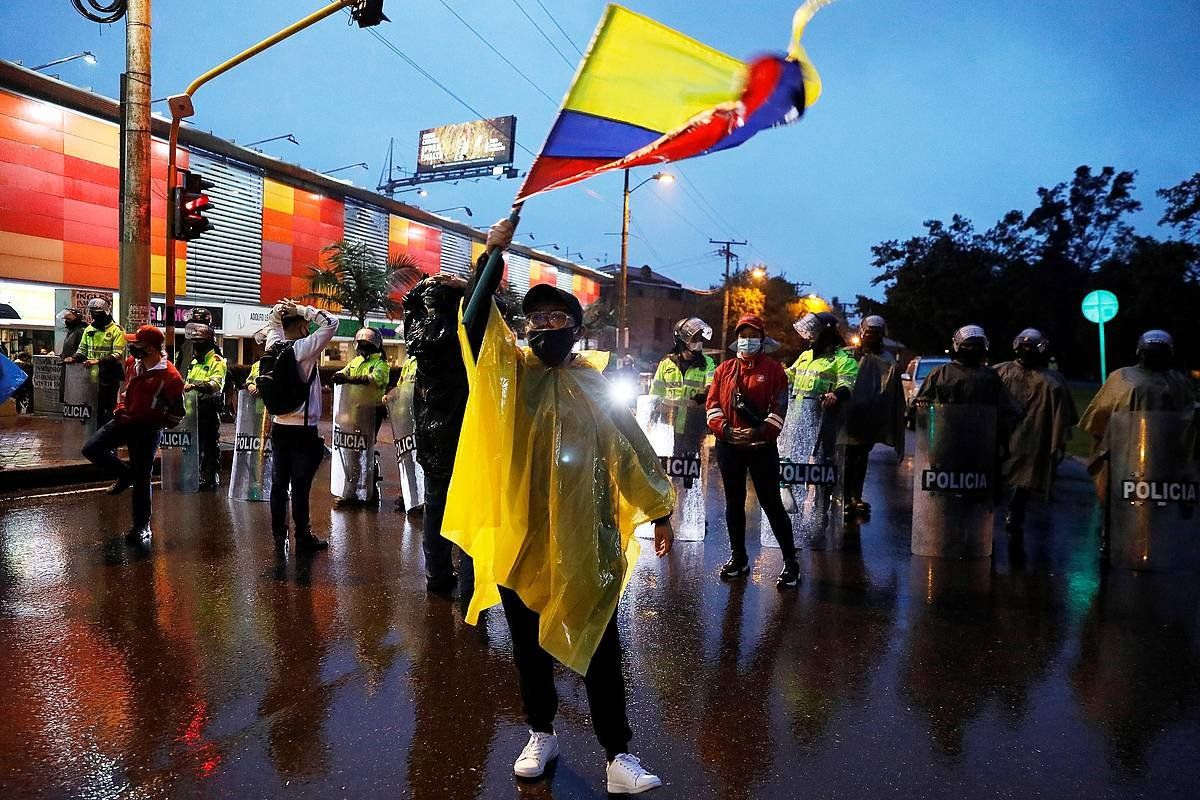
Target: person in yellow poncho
[549, 482]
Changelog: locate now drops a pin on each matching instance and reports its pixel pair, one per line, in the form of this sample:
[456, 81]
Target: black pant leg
[101, 448]
[733, 477]
[308, 453]
[106, 402]
[763, 464]
[857, 456]
[439, 567]
[282, 459]
[605, 683]
[143, 444]
[209, 424]
[535, 667]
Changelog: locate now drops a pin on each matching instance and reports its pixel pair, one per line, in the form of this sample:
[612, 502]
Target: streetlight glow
[664, 177]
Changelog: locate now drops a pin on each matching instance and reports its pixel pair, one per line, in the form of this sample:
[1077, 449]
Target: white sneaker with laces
[626, 775]
[540, 750]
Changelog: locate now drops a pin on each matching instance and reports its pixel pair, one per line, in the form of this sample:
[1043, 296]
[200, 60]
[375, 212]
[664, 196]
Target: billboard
[481, 143]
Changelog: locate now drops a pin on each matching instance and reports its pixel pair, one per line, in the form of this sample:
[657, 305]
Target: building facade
[60, 223]
[656, 303]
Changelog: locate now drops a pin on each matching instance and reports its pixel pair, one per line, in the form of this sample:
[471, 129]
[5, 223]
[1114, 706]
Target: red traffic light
[188, 206]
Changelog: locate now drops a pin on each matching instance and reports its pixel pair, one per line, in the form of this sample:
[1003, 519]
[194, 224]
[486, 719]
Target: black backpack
[279, 384]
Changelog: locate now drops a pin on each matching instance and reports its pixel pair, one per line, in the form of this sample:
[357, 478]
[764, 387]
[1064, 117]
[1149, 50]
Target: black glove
[700, 398]
[339, 378]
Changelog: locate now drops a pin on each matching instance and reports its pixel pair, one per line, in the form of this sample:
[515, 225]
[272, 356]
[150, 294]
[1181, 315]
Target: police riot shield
[250, 478]
[180, 448]
[810, 477]
[955, 474]
[685, 460]
[47, 384]
[352, 476]
[81, 394]
[400, 415]
[1154, 488]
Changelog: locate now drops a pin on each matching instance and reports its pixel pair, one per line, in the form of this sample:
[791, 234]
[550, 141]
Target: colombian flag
[647, 94]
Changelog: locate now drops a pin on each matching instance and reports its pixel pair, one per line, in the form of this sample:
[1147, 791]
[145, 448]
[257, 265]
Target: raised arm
[486, 281]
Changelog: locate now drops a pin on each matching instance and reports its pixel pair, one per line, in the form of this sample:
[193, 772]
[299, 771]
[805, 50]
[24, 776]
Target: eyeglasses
[553, 320]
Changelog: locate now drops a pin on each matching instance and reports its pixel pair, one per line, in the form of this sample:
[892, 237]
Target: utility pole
[134, 272]
[623, 286]
[726, 250]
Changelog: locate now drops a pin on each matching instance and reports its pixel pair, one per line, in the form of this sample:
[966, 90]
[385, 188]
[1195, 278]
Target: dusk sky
[929, 108]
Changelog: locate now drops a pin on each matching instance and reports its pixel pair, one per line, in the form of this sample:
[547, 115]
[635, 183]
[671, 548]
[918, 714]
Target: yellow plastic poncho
[549, 483]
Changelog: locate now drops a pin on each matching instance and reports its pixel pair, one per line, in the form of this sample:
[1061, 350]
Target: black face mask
[365, 350]
[136, 352]
[1155, 358]
[552, 346]
[72, 324]
[201, 349]
[100, 320]
[1030, 358]
[970, 357]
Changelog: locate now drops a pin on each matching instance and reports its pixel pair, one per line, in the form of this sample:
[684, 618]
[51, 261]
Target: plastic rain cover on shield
[400, 415]
[250, 478]
[685, 459]
[351, 476]
[1154, 479]
[180, 448]
[81, 393]
[810, 466]
[954, 481]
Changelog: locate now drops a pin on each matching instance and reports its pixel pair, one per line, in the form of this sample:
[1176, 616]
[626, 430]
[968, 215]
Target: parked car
[913, 377]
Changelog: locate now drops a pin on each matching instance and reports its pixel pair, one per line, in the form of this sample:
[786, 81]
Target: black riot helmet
[1155, 350]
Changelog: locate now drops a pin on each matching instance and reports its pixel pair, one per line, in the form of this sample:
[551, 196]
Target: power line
[566, 36]
[549, 41]
[503, 58]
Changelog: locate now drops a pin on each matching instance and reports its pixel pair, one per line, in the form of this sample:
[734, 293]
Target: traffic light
[369, 13]
[188, 206]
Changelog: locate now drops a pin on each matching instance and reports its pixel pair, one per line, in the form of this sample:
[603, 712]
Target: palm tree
[355, 282]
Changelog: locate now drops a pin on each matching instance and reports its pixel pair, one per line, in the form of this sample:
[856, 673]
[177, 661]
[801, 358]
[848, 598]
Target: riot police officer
[102, 345]
[876, 411]
[682, 380]
[367, 368]
[184, 354]
[206, 377]
[1038, 443]
[1150, 385]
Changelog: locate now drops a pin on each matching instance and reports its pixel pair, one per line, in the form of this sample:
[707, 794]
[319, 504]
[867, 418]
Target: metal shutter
[456, 254]
[226, 262]
[518, 273]
[566, 281]
[369, 225]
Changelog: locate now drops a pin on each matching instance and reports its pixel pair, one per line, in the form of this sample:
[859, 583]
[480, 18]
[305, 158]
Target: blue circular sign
[1100, 306]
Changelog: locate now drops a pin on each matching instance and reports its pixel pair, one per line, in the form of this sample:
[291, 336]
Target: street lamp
[622, 329]
[454, 208]
[419, 190]
[87, 55]
[291, 137]
[758, 273]
[359, 165]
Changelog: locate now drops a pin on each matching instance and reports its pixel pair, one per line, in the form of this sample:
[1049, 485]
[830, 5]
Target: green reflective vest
[209, 371]
[99, 343]
[676, 387]
[813, 376]
[374, 367]
[408, 370]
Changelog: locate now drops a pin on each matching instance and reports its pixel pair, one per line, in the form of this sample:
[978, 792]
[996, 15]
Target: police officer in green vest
[682, 380]
[206, 377]
[103, 345]
[827, 369]
[368, 367]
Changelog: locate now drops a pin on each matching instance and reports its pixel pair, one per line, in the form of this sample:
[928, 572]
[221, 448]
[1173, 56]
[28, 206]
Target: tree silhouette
[354, 281]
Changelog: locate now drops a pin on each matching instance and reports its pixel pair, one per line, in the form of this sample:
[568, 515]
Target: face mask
[72, 324]
[364, 350]
[552, 346]
[1030, 359]
[100, 320]
[970, 358]
[748, 347]
[202, 349]
[695, 347]
[1156, 358]
[136, 352]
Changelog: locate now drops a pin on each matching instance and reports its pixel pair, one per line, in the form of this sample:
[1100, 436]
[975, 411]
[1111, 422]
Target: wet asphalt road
[205, 667]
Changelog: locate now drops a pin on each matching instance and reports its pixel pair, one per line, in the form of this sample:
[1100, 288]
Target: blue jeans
[142, 441]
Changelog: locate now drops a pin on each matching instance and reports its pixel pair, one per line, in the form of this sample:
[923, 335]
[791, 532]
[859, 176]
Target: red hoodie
[151, 396]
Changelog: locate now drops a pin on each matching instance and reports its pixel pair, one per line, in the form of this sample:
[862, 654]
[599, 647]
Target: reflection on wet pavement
[204, 666]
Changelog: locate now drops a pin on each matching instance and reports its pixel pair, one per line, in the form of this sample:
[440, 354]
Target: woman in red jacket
[151, 400]
[746, 406]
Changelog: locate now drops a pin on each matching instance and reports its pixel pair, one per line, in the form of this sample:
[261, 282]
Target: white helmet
[969, 333]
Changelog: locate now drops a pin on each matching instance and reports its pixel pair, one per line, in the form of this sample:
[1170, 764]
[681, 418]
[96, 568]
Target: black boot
[307, 543]
[735, 568]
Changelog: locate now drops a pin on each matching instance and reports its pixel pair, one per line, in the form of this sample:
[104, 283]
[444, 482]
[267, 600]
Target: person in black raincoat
[439, 401]
[1038, 442]
[876, 411]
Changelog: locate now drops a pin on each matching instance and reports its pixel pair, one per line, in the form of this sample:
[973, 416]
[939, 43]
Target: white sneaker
[540, 750]
[626, 775]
